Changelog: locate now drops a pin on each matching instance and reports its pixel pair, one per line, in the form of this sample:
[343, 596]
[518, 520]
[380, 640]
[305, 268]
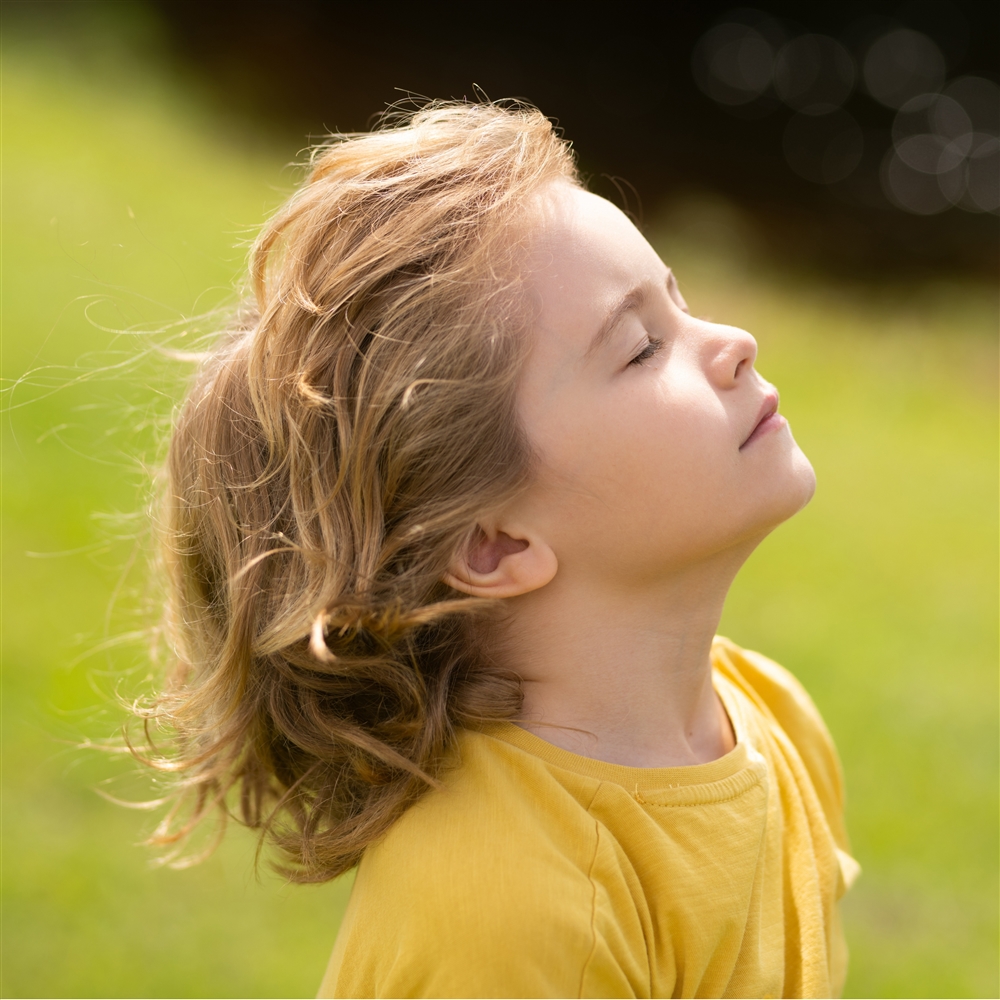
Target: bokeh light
[902, 64]
[814, 74]
[733, 63]
[945, 137]
[945, 150]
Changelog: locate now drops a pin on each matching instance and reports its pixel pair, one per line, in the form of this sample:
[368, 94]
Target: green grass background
[127, 201]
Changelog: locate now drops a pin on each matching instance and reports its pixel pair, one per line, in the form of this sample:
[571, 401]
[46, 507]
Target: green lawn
[125, 204]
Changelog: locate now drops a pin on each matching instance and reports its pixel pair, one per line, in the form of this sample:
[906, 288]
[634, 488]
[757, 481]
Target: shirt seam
[593, 898]
[555, 757]
[707, 802]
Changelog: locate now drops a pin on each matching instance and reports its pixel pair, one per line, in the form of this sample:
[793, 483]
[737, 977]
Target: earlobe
[501, 564]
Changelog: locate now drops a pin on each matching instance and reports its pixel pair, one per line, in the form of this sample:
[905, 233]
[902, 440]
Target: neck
[624, 676]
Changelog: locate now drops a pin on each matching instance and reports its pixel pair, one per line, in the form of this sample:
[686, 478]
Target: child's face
[658, 439]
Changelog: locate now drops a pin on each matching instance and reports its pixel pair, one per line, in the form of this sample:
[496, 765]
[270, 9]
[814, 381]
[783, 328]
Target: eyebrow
[629, 302]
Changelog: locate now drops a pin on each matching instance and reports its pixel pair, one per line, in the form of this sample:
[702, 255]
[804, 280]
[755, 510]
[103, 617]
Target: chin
[804, 480]
[789, 491]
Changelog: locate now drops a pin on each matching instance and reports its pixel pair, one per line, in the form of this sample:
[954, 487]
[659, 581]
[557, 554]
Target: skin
[661, 466]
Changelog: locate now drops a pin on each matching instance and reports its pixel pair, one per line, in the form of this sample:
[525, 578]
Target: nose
[731, 355]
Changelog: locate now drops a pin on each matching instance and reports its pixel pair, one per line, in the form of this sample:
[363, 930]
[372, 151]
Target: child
[451, 517]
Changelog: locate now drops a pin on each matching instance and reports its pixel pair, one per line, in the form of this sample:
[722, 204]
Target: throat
[623, 676]
[634, 727]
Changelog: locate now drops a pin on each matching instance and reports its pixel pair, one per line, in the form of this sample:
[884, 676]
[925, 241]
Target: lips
[768, 419]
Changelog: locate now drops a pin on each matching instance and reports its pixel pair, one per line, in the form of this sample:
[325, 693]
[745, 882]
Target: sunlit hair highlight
[336, 448]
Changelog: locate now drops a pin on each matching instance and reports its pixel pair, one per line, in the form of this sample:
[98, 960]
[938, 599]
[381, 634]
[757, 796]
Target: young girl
[452, 515]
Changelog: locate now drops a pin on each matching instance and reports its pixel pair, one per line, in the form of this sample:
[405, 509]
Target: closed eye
[649, 351]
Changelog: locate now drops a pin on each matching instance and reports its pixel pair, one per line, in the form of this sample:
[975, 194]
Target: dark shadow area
[857, 139]
[773, 109]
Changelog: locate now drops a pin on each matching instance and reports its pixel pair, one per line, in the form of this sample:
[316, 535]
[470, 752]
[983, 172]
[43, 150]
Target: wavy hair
[336, 448]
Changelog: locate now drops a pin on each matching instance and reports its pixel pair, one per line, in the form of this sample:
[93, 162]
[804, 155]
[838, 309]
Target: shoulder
[499, 820]
[786, 704]
[482, 888]
[772, 684]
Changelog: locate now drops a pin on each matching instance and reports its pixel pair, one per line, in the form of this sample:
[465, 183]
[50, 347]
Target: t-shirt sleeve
[781, 694]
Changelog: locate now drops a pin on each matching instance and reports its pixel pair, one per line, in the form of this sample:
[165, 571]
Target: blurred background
[826, 175]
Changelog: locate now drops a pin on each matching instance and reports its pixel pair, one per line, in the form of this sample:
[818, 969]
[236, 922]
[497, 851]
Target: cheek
[640, 465]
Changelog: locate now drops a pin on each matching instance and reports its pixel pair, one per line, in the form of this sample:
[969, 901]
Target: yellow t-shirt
[535, 872]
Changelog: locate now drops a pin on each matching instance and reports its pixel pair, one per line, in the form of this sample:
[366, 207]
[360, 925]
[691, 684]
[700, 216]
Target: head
[658, 445]
[460, 377]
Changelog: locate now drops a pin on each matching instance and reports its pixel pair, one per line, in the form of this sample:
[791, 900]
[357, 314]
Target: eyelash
[649, 351]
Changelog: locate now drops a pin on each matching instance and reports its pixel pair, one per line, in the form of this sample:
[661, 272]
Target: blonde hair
[337, 447]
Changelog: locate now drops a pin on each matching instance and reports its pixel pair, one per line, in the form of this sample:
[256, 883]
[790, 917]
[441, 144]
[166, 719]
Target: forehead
[585, 257]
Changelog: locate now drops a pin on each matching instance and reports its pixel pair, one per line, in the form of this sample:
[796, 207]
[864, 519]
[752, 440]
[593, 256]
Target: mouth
[768, 419]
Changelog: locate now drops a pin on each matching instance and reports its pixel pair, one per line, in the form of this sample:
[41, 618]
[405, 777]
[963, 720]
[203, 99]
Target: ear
[496, 563]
